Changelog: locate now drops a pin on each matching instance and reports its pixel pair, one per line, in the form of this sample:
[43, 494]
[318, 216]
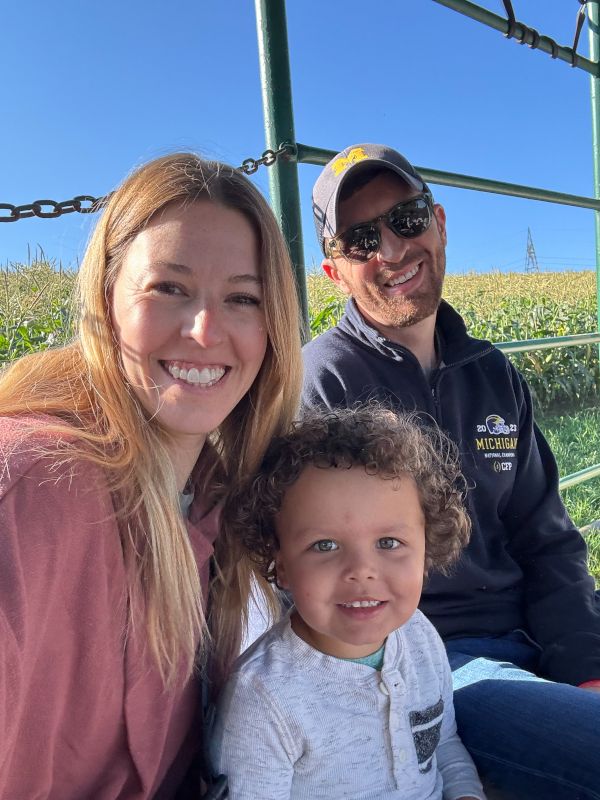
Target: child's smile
[352, 549]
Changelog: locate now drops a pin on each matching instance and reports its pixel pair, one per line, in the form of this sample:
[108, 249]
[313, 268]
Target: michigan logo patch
[355, 155]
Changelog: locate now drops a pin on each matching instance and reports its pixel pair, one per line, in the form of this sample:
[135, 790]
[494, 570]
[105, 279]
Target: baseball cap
[348, 162]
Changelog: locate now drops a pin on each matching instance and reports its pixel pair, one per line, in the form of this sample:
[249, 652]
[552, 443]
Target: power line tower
[531, 262]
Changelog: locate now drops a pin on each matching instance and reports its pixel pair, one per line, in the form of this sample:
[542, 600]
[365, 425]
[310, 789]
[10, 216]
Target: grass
[575, 441]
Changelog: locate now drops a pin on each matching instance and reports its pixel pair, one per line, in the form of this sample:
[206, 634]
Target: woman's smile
[195, 374]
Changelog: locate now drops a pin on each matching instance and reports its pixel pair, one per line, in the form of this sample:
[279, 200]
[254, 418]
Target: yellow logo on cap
[355, 155]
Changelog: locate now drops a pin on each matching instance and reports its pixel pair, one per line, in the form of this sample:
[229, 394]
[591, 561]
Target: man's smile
[403, 277]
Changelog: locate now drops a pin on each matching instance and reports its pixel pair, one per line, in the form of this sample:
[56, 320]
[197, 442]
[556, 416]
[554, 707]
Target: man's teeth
[195, 376]
[403, 278]
[362, 604]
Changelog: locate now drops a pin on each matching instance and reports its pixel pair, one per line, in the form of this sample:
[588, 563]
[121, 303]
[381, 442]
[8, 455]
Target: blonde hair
[84, 387]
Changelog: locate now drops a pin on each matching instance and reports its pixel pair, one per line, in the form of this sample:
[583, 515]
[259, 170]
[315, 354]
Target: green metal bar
[594, 38]
[316, 155]
[523, 345]
[546, 44]
[579, 477]
[279, 127]
[593, 527]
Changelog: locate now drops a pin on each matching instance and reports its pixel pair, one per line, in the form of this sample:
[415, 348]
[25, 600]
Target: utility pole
[531, 262]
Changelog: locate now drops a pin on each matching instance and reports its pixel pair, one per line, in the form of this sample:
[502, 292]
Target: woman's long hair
[83, 386]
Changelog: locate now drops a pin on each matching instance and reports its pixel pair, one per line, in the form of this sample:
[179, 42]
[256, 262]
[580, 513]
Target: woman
[115, 451]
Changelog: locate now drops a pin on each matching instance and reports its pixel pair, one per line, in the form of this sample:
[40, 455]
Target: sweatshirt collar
[455, 344]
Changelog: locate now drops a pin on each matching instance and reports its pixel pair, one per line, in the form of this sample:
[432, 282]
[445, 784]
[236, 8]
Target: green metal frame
[279, 127]
[285, 195]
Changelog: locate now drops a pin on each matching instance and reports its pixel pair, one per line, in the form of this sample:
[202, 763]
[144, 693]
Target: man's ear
[440, 218]
[334, 274]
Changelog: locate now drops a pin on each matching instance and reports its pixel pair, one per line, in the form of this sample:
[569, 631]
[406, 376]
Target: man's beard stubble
[402, 311]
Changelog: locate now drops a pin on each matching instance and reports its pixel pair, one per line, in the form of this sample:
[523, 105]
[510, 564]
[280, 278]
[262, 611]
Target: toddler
[350, 695]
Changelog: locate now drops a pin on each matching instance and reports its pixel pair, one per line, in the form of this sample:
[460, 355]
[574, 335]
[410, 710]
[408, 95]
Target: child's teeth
[362, 604]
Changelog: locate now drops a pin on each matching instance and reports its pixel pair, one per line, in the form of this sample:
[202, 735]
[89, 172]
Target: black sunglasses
[361, 242]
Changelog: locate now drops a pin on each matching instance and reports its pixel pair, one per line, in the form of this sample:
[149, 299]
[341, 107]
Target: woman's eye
[165, 287]
[388, 543]
[324, 546]
[245, 299]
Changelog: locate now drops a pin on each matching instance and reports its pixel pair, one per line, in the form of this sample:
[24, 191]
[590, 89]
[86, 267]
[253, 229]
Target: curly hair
[386, 443]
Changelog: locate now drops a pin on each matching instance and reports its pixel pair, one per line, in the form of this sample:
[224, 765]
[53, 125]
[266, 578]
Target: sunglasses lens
[410, 219]
[360, 243]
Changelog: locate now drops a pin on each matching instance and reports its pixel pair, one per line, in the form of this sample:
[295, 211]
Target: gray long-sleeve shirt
[294, 723]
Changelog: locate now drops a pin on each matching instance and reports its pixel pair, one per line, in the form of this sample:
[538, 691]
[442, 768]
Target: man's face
[402, 284]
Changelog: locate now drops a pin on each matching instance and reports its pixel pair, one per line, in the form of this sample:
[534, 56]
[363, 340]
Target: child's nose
[360, 569]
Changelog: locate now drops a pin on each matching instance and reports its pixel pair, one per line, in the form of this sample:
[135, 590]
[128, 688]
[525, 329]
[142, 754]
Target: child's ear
[280, 574]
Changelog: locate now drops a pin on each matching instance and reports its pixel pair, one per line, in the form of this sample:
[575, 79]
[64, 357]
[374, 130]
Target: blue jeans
[531, 739]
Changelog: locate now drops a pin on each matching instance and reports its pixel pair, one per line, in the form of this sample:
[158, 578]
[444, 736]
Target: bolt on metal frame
[283, 176]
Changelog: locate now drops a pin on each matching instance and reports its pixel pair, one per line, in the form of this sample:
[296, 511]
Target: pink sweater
[83, 713]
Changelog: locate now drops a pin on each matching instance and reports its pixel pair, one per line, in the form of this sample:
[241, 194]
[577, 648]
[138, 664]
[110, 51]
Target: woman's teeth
[405, 277]
[362, 604]
[197, 377]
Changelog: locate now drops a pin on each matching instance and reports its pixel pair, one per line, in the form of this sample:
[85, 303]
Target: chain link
[250, 165]
[86, 204]
[49, 209]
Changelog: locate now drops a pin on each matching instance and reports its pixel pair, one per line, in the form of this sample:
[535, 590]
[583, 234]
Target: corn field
[505, 307]
[36, 313]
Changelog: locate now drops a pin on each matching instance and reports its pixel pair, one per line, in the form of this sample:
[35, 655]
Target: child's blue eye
[324, 546]
[388, 543]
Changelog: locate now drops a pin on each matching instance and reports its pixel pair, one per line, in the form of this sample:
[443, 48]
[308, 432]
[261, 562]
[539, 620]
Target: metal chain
[86, 204]
[48, 209]
[250, 165]
[531, 37]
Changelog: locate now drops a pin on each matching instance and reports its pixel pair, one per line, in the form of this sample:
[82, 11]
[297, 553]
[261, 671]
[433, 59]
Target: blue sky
[90, 90]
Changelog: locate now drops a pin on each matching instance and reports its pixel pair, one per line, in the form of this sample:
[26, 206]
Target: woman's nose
[206, 327]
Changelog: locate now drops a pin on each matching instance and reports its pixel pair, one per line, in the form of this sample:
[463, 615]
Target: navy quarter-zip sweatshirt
[526, 564]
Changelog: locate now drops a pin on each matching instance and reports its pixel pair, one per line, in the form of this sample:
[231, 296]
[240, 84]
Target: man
[520, 616]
